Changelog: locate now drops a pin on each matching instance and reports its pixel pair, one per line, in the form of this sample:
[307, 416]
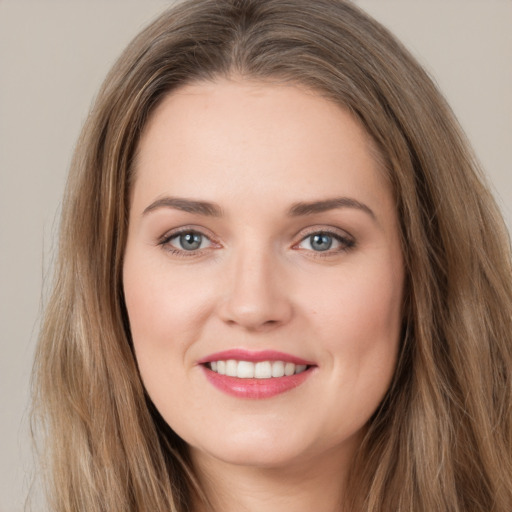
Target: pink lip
[255, 388]
[255, 357]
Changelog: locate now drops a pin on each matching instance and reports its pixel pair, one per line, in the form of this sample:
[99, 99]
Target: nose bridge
[255, 293]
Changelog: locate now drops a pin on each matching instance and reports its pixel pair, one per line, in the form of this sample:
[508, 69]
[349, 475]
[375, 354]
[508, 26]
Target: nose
[256, 296]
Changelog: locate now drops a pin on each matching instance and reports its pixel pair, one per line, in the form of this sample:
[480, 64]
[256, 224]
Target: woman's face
[263, 241]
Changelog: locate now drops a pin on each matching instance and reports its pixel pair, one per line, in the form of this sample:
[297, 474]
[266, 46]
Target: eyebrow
[186, 205]
[299, 209]
[302, 208]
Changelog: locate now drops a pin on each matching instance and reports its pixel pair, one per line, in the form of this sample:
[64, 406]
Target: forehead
[243, 133]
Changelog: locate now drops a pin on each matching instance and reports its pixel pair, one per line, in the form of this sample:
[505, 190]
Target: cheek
[168, 313]
[160, 305]
[359, 319]
[359, 327]
[363, 299]
[163, 319]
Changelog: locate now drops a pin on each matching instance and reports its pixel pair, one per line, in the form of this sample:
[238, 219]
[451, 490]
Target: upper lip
[254, 356]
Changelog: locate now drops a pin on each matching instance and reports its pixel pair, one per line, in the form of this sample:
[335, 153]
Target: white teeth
[245, 370]
[260, 370]
[231, 368]
[289, 369]
[263, 370]
[278, 369]
[221, 367]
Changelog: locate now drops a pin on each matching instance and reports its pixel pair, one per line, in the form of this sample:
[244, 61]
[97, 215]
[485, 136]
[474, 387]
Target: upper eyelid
[343, 240]
[298, 237]
[168, 235]
[331, 230]
[164, 242]
[343, 237]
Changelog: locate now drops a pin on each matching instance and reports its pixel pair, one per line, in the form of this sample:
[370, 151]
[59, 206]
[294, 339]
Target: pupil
[321, 242]
[190, 241]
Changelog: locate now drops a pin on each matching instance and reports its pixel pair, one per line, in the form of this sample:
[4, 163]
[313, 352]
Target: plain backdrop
[53, 56]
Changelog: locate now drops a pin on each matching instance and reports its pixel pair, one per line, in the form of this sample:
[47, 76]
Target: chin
[256, 448]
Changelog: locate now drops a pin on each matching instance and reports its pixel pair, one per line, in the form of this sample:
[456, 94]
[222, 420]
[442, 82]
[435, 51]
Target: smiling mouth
[256, 370]
[256, 374]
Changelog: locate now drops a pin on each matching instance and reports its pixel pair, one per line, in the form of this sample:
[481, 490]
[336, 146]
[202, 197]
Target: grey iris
[321, 242]
[191, 241]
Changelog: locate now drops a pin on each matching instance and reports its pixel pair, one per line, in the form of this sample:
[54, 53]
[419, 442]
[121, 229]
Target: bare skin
[261, 221]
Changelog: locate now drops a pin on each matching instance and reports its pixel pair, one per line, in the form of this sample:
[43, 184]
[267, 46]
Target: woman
[282, 283]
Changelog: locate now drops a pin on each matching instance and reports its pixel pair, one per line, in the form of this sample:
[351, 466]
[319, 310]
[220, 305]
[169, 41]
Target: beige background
[53, 55]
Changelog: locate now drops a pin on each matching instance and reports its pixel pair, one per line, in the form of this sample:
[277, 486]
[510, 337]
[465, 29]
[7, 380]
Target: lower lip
[256, 388]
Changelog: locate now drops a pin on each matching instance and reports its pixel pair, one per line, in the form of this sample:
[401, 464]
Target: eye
[324, 241]
[191, 241]
[320, 241]
[188, 241]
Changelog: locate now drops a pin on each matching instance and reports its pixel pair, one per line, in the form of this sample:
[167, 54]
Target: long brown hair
[441, 440]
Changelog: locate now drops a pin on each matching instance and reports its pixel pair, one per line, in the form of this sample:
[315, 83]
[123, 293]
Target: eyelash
[346, 243]
[165, 242]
